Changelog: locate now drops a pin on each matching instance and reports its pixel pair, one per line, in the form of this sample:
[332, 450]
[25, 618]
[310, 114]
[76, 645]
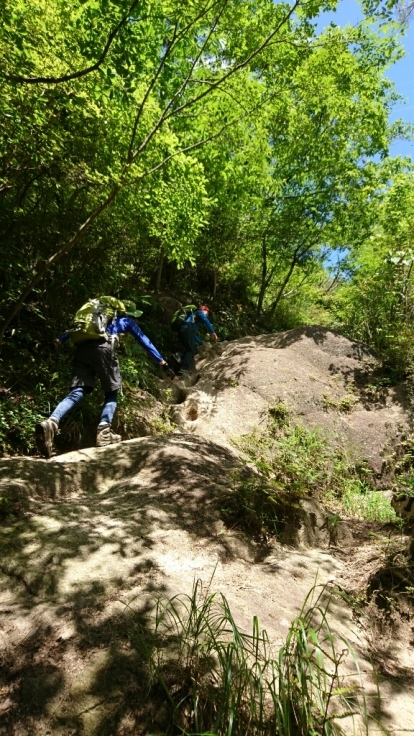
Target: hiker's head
[204, 308]
[131, 308]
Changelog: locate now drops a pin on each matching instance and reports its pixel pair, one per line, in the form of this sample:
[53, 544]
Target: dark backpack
[181, 316]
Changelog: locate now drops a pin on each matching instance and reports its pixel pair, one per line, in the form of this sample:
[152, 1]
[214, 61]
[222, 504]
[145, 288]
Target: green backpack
[181, 315]
[91, 320]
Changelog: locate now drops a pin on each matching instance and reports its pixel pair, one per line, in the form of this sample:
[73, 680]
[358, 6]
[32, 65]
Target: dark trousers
[96, 359]
[93, 359]
[187, 339]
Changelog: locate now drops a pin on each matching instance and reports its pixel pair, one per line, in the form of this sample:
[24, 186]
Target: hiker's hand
[214, 337]
[168, 371]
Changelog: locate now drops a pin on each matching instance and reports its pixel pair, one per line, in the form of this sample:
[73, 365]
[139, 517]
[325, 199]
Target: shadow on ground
[79, 576]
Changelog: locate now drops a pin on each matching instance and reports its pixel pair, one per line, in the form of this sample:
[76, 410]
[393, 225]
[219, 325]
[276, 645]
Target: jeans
[77, 394]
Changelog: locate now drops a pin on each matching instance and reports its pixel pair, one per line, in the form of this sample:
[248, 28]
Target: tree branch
[81, 72]
[195, 60]
[193, 146]
[150, 87]
[240, 65]
[162, 118]
[214, 84]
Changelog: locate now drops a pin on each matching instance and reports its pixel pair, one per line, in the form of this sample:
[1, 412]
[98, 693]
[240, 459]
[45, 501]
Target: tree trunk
[263, 284]
[298, 252]
[159, 272]
[284, 285]
[215, 282]
[266, 279]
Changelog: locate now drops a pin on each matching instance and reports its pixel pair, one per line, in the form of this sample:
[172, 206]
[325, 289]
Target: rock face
[107, 531]
[322, 377]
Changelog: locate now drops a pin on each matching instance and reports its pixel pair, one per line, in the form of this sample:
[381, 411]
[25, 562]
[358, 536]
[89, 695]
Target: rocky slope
[325, 380]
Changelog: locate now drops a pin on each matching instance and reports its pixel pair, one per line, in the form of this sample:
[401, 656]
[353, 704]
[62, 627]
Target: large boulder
[325, 380]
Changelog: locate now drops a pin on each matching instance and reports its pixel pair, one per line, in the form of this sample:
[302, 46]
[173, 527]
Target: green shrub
[294, 462]
[18, 417]
[137, 368]
[293, 457]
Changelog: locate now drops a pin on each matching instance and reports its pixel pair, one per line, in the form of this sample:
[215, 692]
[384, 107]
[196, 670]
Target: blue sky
[401, 73]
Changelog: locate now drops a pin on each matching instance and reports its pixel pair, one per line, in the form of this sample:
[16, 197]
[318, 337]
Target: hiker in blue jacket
[97, 358]
[190, 339]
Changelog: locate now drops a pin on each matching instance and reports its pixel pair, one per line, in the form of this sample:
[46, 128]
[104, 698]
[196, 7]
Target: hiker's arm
[207, 324]
[58, 341]
[130, 326]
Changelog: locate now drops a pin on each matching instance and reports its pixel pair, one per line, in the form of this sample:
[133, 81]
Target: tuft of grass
[293, 457]
[359, 500]
[210, 677]
[345, 404]
[261, 508]
[163, 424]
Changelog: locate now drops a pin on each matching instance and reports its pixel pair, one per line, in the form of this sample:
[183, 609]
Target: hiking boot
[46, 432]
[104, 436]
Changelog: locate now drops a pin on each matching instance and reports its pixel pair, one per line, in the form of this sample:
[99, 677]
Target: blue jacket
[128, 325]
[124, 325]
[195, 320]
